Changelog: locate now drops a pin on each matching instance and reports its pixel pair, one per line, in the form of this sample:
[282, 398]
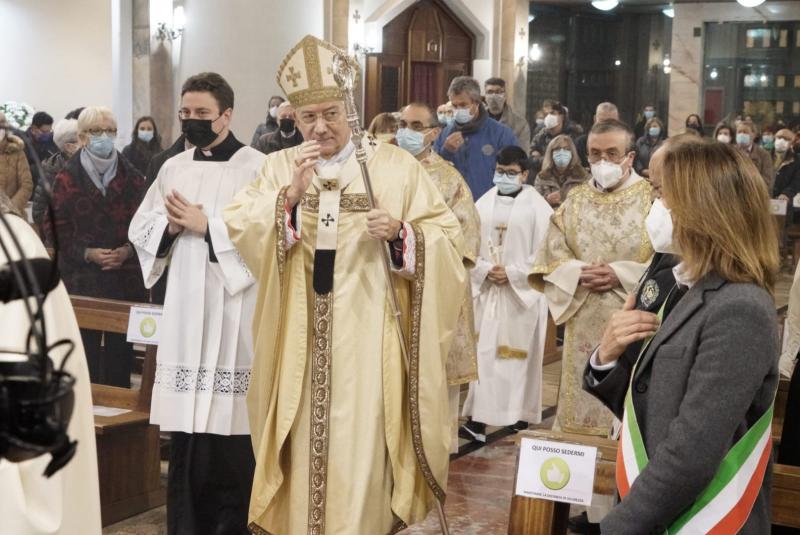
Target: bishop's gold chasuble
[591, 226]
[347, 441]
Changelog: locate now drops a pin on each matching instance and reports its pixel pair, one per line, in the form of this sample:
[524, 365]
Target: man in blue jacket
[471, 143]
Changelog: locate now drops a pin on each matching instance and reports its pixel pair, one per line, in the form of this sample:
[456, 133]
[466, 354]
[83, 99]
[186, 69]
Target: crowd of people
[661, 302]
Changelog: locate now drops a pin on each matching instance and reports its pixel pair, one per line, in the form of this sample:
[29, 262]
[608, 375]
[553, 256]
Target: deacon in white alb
[510, 316]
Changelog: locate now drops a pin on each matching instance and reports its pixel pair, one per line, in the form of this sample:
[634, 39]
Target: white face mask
[551, 121]
[724, 138]
[781, 145]
[607, 174]
[659, 228]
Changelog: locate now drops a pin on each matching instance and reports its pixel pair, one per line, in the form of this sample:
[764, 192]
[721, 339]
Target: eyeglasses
[100, 131]
[509, 174]
[611, 155]
[416, 126]
[329, 117]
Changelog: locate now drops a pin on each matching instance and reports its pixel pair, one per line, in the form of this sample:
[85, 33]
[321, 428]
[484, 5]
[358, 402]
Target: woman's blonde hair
[721, 215]
[558, 142]
[383, 123]
[92, 116]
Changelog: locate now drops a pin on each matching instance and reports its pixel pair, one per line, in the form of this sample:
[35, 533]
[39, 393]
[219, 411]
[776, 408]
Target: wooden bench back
[111, 315]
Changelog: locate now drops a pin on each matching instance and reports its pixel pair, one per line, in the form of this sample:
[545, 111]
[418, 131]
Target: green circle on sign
[147, 327]
[554, 473]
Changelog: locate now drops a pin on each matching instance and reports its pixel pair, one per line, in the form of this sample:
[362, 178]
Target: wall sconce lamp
[165, 32]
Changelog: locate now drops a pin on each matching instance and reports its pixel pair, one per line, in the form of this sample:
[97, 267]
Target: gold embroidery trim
[320, 409]
[280, 227]
[506, 352]
[398, 527]
[566, 419]
[255, 529]
[418, 287]
[353, 202]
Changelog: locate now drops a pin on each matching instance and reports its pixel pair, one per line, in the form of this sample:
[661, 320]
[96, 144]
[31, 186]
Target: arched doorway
[424, 48]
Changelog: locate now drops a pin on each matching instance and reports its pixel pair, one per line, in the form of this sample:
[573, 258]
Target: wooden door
[424, 48]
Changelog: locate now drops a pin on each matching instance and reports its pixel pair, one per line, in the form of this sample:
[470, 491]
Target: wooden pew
[552, 351]
[530, 516]
[128, 459]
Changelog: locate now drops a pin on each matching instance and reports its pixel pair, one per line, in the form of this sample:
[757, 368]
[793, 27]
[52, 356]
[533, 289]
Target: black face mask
[199, 132]
[286, 125]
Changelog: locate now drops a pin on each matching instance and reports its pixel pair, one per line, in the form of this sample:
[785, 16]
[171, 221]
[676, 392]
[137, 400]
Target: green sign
[554, 473]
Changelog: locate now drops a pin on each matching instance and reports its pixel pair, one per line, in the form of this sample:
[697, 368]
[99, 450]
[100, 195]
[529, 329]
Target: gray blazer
[710, 372]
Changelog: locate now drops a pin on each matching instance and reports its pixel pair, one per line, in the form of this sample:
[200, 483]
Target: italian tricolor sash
[725, 504]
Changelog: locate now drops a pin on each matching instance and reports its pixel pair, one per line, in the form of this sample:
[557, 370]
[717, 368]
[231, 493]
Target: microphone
[43, 269]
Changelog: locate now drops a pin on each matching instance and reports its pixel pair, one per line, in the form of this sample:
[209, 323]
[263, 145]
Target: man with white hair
[604, 112]
[65, 136]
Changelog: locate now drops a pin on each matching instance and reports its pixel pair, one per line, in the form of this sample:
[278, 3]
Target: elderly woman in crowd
[15, 175]
[646, 145]
[94, 199]
[561, 171]
[696, 406]
[65, 136]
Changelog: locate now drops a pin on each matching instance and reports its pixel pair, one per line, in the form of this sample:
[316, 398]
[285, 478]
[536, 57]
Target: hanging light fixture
[669, 11]
[751, 3]
[605, 5]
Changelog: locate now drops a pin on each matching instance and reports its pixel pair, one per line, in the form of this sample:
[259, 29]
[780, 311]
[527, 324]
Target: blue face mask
[654, 131]
[145, 135]
[462, 115]
[743, 139]
[562, 157]
[506, 184]
[649, 114]
[101, 146]
[413, 142]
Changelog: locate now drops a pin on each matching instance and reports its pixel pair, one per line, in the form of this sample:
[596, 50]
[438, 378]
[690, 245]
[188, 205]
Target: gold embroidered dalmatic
[462, 361]
[346, 441]
[590, 226]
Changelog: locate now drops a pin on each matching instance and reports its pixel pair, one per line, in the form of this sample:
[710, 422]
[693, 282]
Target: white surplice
[206, 351]
[511, 319]
[68, 503]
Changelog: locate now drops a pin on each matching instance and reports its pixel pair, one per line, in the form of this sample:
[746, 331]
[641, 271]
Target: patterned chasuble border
[353, 202]
[416, 320]
[280, 227]
[320, 409]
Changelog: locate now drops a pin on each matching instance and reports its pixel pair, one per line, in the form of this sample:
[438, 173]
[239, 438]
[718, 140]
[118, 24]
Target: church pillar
[339, 16]
[510, 57]
[141, 60]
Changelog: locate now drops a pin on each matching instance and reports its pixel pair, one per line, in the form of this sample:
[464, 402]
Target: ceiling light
[669, 11]
[713, 74]
[531, 18]
[536, 53]
[617, 63]
[751, 3]
[608, 5]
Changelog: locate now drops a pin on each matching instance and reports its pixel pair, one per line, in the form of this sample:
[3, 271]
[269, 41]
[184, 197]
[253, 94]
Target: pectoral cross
[328, 220]
[501, 230]
[293, 76]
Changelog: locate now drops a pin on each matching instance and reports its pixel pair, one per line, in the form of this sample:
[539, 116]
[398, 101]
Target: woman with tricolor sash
[696, 406]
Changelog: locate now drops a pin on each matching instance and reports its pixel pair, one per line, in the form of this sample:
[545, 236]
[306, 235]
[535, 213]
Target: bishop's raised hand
[306, 159]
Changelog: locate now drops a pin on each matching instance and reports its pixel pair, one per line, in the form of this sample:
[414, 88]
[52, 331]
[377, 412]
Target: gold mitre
[306, 73]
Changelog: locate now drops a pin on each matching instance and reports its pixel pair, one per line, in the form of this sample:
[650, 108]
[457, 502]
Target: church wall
[244, 41]
[686, 78]
[57, 54]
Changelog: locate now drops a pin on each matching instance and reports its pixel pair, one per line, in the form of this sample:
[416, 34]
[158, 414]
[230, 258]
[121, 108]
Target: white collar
[338, 158]
[681, 277]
